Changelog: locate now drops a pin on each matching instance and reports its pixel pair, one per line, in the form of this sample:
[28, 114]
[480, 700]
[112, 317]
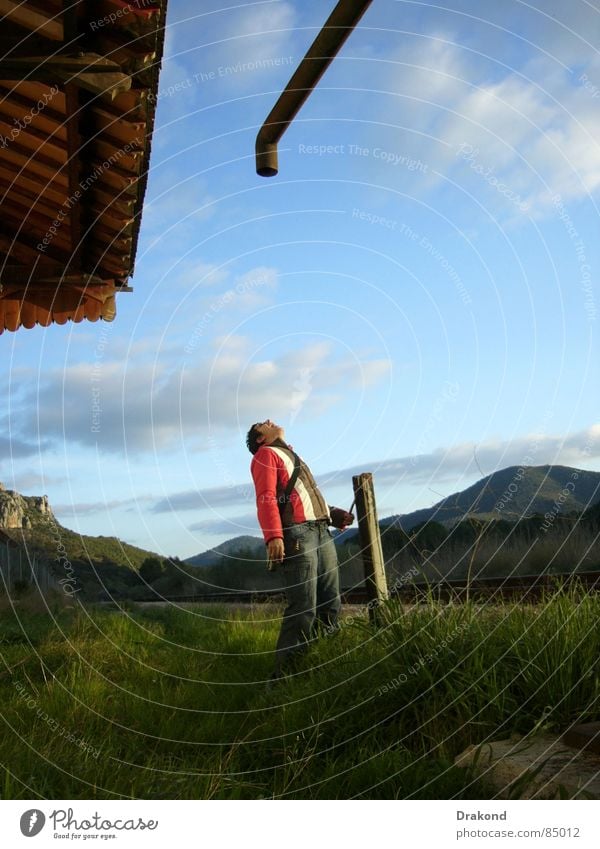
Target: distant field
[159, 702]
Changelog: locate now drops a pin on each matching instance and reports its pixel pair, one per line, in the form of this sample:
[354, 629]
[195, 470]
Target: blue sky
[415, 294]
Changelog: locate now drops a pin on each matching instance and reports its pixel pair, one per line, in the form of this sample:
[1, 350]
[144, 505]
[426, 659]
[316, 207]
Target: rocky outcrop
[16, 510]
[38, 503]
[541, 767]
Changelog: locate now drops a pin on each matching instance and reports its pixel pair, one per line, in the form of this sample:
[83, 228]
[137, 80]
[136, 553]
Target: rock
[584, 736]
[14, 508]
[544, 767]
[39, 503]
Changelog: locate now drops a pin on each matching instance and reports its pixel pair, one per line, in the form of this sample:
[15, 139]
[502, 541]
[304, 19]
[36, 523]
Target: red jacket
[272, 467]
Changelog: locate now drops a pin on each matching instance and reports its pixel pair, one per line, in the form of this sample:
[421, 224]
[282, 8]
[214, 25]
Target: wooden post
[370, 541]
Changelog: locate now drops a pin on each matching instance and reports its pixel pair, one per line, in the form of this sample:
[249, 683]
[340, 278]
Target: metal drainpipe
[319, 56]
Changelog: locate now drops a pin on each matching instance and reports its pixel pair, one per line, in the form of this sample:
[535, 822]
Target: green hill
[512, 494]
[519, 520]
[242, 547]
[100, 567]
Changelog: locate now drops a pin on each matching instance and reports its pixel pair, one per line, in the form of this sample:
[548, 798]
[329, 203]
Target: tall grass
[172, 703]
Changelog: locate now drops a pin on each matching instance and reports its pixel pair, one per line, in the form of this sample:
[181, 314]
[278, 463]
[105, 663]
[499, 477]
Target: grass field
[171, 703]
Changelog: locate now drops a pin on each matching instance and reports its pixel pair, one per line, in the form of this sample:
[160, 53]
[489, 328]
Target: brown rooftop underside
[78, 86]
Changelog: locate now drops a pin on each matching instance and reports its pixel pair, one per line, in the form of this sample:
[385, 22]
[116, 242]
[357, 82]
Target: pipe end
[267, 164]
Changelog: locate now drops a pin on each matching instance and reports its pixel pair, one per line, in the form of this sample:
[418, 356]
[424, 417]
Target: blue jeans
[311, 576]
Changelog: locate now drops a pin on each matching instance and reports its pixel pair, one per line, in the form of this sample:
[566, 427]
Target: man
[294, 519]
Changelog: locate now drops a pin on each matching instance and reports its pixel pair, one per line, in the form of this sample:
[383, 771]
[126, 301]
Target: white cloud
[471, 458]
[192, 273]
[536, 126]
[29, 481]
[135, 407]
[539, 147]
[445, 465]
[227, 48]
[91, 508]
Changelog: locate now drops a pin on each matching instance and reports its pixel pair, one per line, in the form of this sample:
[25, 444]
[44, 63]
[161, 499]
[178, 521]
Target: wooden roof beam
[119, 206]
[35, 165]
[117, 127]
[16, 277]
[12, 97]
[28, 214]
[16, 149]
[24, 248]
[45, 190]
[32, 19]
[26, 196]
[30, 136]
[74, 171]
[91, 71]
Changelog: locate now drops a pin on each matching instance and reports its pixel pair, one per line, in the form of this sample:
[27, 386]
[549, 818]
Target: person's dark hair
[252, 438]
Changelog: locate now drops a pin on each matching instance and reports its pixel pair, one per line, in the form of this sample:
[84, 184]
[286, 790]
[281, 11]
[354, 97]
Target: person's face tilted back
[269, 431]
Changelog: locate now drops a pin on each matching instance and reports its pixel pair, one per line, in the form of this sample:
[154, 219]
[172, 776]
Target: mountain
[513, 493]
[515, 522]
[518, 492]
[592, 515]
[246, 547]
[106, 566]
[510, 494]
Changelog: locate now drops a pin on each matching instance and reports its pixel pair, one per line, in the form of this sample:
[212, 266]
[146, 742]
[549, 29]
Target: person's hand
[275, 550]
[340, 518]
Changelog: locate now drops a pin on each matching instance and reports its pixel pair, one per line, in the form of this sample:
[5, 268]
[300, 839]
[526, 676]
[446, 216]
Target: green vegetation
[166, 702]
[495, 528]
[243, 570]
[102, 567]
[45, 532]
[479, 548]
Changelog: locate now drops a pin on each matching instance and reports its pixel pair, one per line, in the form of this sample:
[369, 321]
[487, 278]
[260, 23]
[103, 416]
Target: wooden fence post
[370, 542]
